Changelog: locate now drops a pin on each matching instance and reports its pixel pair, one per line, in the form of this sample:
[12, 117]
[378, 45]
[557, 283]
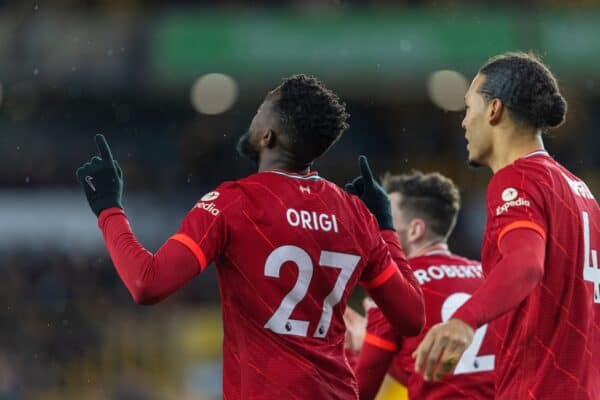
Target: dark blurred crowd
[69, 326]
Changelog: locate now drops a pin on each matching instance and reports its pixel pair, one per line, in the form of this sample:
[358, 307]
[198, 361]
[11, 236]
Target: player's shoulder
[458, 259]
[227, 189]
[530, 174]
[219, 199]
[539, 173]
[517, 174]
[248, 184]
[440, 258]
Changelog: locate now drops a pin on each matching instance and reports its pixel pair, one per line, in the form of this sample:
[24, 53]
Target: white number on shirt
[469, 362]
[591, 272]
[280, 321]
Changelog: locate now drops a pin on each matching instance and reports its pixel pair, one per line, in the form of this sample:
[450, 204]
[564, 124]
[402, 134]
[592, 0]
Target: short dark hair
[313, 116]
[526, 88]
[431, 196]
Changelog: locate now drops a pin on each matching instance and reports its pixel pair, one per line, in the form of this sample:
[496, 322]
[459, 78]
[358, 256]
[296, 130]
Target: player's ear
[268, 139]
[416, 230]
[495, 111]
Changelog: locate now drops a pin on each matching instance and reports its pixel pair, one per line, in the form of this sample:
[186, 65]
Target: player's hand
[101, 179]
[372, 194]
[368, 304]
[442, 348]
[356, 327]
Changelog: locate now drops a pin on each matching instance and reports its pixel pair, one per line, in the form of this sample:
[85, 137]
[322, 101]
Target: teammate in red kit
[540, 247]
[288, 245]
[424, 208]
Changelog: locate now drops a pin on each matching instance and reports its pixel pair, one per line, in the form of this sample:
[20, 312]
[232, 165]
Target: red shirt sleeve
[516, 234]
[385, 259]
[395, 289]
[380, 264]
[204, 231]
[371, 368]
[514, 201]
[148, 277]
[523, 254]
[393, 244]
[201, 238]
[379, 331]
[376, 355]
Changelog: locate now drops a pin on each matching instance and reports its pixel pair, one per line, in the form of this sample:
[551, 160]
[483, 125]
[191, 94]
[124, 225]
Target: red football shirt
[447, 281]
[288, 249]
[551, 342]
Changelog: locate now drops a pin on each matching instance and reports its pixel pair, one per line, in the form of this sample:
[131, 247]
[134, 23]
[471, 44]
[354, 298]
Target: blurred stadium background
[172, 85]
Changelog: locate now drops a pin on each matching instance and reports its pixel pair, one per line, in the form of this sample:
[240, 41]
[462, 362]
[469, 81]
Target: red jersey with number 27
[447, 280]
[289, 249]
[551, 342]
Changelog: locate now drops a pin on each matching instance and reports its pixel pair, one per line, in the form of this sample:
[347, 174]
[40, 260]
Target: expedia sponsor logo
[210, 196]
[509, 194]
[210, 207]
[520, 202]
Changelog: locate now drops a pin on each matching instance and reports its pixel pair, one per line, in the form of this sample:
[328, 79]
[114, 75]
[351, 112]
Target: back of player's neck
[511, 150]
[275, 164]
[426, 248]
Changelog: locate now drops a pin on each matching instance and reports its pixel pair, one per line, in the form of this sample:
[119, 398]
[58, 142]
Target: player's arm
[394, 288]
[376, 355]
[521, 243]
[412, 291]
[523, 253]
[517, 274]
[149, 277]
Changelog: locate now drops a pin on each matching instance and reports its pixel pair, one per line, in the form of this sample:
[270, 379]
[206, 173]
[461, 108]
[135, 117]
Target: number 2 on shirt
[469, 362]
[280, 321]
[591, 272]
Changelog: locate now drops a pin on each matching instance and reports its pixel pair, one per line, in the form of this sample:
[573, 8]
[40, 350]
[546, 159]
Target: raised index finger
[103, 148]
[365, 170]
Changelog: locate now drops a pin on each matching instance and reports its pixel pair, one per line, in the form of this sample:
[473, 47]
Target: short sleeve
[380, 265]
[379, 332]
[515, 202]
[204, 230]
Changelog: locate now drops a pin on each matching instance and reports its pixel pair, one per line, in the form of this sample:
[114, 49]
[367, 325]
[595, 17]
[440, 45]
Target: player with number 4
[540, 246]
[289, 248]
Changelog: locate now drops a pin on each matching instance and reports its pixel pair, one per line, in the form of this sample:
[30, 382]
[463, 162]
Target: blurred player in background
[289, 247]
[540, 246]
[424, 208]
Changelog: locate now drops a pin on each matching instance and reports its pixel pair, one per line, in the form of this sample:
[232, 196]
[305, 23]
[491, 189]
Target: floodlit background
[172, 85]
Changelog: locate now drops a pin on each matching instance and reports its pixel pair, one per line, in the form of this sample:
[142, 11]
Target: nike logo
[88, 180]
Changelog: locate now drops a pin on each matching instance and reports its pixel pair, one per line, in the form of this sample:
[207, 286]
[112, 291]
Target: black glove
[372, 194]
[102, 179]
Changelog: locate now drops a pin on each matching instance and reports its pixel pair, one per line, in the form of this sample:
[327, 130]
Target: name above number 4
[591, 272]
[280, 322]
